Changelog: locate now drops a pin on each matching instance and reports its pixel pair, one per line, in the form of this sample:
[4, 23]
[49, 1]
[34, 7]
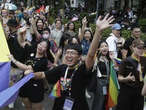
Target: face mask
[4, 14]
[45, 36]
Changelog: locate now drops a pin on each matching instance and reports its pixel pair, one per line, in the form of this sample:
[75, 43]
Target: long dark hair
[98, 53]
[38, 21]
[64, 38]
[49, 55]
[90, 33]
[69, 24]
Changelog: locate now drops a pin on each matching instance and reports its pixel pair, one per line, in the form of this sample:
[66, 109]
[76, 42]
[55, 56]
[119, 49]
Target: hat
[12, 22]
[116, 27]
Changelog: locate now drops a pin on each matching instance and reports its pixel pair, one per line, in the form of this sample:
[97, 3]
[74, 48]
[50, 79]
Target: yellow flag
[4, 50]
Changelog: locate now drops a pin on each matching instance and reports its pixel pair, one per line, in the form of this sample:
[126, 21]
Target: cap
[116, 27]
[12, 22]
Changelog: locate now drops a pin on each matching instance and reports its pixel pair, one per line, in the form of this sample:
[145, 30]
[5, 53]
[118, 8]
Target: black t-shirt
[102, 67]
[127, 45]
[78, 85]
[38, 64]
[34, 88]
[17, 51]
[127, 66]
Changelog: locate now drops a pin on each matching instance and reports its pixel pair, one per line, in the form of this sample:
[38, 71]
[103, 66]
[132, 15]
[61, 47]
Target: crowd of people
[78, 61]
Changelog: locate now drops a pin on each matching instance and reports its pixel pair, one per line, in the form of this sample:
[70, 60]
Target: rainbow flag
[117, 60]
[56, 91]
[4, 61]
[113, 87]
[41, 9]
[8, 94]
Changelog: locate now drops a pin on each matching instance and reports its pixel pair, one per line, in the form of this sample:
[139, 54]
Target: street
[47, 103]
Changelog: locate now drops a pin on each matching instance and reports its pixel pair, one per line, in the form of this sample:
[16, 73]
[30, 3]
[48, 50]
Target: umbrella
[10, 6]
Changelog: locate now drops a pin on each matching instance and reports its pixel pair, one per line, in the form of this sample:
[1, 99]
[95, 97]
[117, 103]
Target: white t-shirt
[56, 35]
[112, 40]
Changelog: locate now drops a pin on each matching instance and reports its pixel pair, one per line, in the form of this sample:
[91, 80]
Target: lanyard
[65, 76]
[66, 86]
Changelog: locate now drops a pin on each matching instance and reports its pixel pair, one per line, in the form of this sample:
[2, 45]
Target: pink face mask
[46, 36]
[4, 14]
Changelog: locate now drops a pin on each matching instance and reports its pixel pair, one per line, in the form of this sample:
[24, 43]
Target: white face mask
[46, 36]
[4, 14]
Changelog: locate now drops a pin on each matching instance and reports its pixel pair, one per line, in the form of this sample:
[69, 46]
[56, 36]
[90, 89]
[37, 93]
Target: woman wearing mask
[47, 35]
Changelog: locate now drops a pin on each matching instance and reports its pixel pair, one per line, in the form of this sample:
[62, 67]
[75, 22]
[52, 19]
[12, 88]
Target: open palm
[105, 22]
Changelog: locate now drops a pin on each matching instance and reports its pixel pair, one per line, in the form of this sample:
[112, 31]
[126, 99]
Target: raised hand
[84, 20]
[104, 23]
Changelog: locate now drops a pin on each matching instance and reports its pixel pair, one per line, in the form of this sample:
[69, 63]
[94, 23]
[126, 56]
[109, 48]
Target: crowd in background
[37, 45]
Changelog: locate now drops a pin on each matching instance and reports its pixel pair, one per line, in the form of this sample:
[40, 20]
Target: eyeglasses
[72, 53]
[140, 47]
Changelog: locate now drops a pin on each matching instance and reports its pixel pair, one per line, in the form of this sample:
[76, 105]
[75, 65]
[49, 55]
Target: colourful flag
[117, 60]
[113, 87]
[56, 91]
[4, 75]
[4, 50]
[4, 61]
[10, 94]
[41, 9]
[7, 95]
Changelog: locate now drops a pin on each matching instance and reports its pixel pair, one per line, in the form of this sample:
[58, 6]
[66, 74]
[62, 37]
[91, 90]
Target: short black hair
[47, 29]
[134, 26]
[12, 22]
[76, 47]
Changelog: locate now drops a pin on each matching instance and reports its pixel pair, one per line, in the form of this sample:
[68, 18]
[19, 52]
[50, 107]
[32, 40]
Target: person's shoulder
[131, 61]
[130, 39]
[82, 66]
[110, 37]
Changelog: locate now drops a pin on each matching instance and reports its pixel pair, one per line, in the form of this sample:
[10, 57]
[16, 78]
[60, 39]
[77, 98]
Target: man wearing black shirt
[131, 80]
[136, 33]
[73, 75]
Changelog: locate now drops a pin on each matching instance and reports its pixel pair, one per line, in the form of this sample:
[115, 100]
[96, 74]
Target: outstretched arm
[100, 26]
[20, 65]
[84, 24]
